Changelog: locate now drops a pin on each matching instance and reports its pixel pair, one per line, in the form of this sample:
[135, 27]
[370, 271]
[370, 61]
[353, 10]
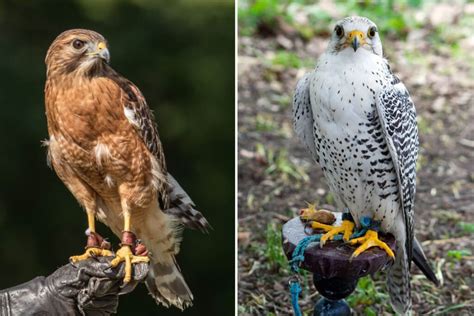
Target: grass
[257, 12]
[392, 17]
[467, 228]
[282, 59]
[264, 123]
[283, 101]
[289, 60]
[279, 164]
[447, 216]
[450, 309]
[423, 125]
[367, 293]
[329, 198]
[457, 255]
[274, 251]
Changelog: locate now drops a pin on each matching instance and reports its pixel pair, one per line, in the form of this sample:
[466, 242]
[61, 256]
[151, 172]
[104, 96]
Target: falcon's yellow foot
[92, 252]
[126, 254]
[371, 239]
[346, 228]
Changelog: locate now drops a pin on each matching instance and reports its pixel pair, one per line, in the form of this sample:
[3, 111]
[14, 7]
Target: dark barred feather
[398, 281]
[183, 208]
[398, 117]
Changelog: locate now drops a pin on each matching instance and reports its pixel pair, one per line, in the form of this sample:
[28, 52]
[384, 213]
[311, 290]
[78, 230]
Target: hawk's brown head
[77, 51]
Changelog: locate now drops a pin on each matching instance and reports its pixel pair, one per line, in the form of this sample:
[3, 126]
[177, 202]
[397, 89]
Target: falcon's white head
[354, 33]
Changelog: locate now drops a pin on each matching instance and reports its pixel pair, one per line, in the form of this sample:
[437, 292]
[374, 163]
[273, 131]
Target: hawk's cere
[359, 123]
[104, 146]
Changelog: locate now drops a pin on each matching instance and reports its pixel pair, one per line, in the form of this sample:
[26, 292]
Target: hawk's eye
[372, 31]
[339, 31]
[78, 44]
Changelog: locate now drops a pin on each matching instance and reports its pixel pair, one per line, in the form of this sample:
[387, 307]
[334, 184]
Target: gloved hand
[88, 287]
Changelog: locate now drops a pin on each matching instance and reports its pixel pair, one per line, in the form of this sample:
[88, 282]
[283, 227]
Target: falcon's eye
[78, 44]
[339, 31]
[372, 31]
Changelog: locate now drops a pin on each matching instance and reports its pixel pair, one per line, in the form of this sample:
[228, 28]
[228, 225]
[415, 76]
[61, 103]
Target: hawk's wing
[303, 120]
[182, 207]
[398, 118]
[142, 119]
[173, 199]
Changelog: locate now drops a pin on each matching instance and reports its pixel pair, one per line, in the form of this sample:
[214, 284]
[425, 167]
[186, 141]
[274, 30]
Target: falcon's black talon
[347, 216]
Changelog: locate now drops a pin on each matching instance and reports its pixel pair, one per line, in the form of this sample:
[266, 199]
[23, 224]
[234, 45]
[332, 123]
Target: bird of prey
[104, 145]
[358, 122]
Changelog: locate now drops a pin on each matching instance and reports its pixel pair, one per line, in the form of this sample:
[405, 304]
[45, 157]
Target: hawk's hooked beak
[356, 39]
[101, 51]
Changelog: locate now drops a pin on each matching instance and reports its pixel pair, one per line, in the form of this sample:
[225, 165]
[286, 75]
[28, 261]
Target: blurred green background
[181, 55]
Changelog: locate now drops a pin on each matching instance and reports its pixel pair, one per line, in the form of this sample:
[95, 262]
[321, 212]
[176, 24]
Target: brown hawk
[104, 146]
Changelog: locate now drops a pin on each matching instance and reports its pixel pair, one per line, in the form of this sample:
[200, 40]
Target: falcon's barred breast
[359, 123]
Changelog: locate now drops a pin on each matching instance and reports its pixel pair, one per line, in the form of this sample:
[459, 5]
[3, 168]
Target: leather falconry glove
[88, 287]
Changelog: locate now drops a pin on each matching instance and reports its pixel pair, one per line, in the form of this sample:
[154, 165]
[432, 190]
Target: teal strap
[295, 290]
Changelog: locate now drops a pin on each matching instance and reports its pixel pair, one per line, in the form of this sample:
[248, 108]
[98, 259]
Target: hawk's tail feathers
[161, 235]
[398, 282]
[166, 284]
[420, 260]
[184, 209]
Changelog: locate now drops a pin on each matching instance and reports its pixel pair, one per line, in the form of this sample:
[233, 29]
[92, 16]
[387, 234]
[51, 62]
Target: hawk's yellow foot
[346, 228]
[92, 252]
[369, 240]
[97, 246]
[125, 254]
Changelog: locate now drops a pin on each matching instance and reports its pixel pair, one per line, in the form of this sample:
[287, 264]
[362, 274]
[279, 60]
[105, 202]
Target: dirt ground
[277, 176]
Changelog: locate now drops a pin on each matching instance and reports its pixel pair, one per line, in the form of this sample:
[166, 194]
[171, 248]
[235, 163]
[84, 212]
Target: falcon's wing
[182, 207]
[398, 118]
[303, 115]
[142, 119]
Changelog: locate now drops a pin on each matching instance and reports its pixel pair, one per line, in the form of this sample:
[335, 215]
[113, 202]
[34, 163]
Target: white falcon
[359, 123]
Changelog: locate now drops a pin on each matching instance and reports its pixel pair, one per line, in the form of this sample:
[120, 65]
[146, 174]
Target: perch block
[335, 276]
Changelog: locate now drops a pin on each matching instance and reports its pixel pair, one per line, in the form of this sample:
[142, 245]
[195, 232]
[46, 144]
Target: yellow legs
[96, 246]
[319, 220]
[346, 228]
[125, 252]
[370, 239]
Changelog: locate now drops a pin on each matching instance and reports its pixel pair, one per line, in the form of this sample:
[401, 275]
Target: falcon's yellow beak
[101, 51]
[356, 39]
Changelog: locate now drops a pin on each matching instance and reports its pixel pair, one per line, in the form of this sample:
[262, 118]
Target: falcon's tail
[165, 282]
[398, 282]
[421, 261]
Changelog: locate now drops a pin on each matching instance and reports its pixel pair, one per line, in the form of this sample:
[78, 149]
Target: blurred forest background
[181, 55]
[429, 45]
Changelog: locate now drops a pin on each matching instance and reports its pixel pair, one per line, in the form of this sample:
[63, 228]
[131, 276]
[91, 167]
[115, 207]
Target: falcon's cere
[359, 123]
[104, 145]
